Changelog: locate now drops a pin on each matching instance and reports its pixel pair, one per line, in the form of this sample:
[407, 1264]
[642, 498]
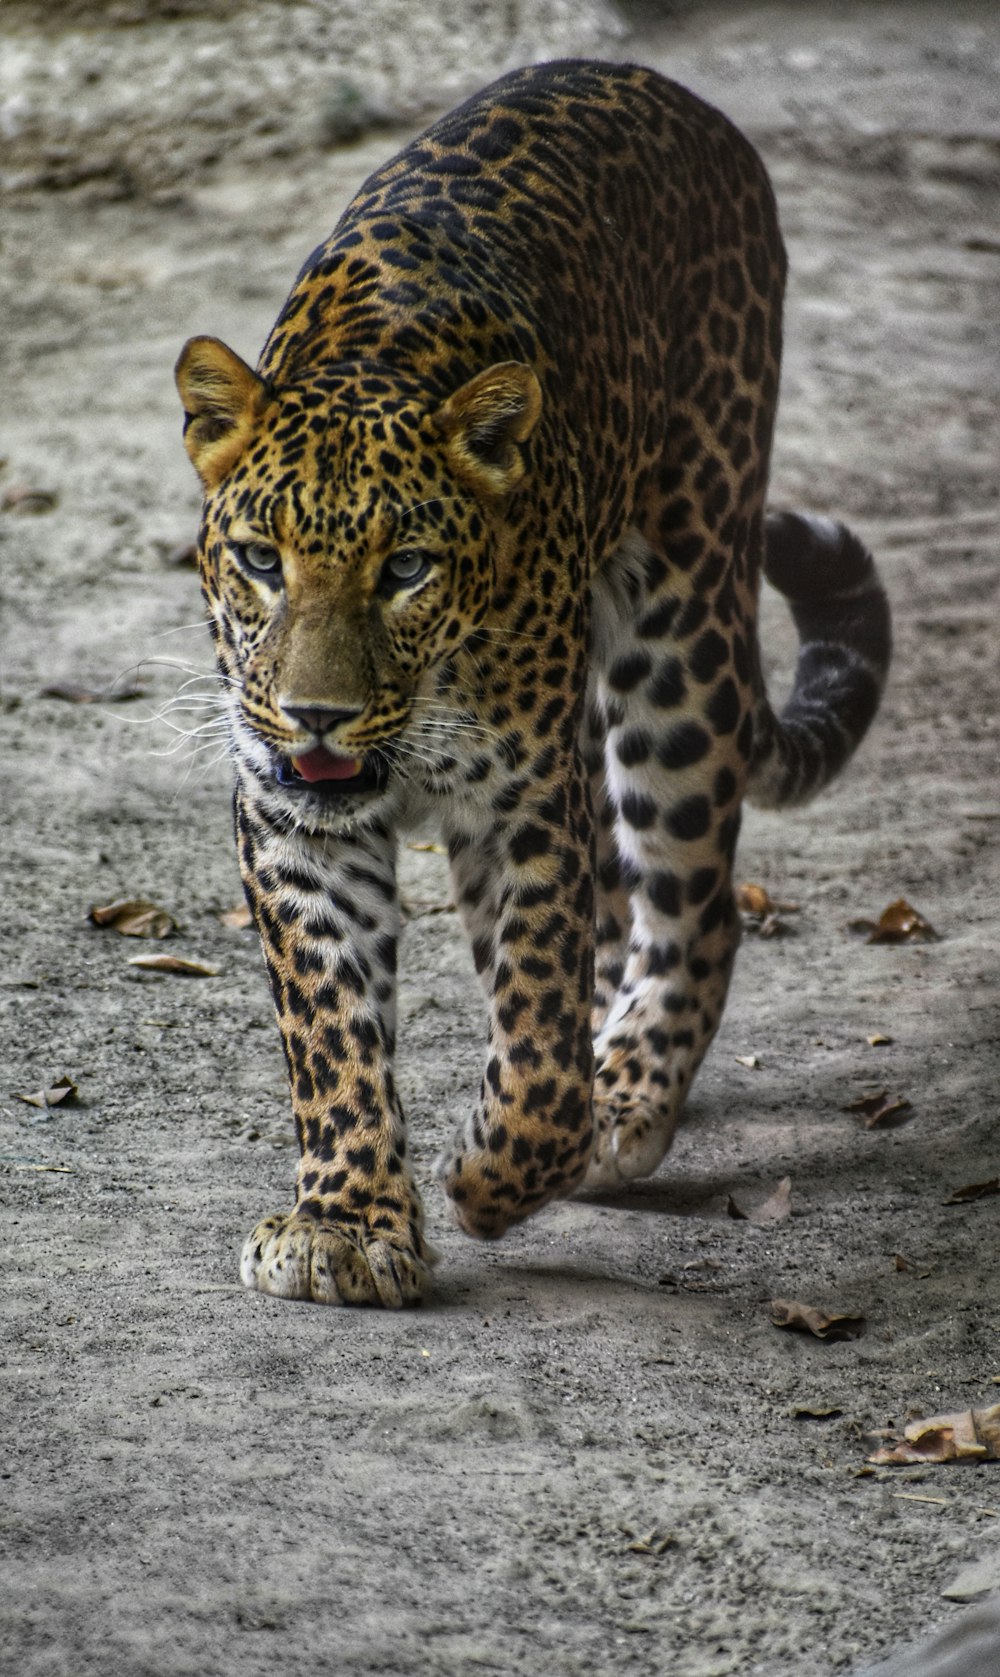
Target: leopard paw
[483, 1201]
[489, 1192]
[301, 1256]
[630, 1139]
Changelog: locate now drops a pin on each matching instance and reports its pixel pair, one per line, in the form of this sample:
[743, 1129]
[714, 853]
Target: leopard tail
[845, 640]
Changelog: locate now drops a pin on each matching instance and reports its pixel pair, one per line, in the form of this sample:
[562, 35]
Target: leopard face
[353, 544]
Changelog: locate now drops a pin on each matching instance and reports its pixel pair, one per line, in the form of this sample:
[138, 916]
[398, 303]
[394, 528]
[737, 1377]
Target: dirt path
[591, 1451]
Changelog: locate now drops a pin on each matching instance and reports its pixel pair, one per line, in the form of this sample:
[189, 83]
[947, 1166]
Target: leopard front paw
[303, 1256]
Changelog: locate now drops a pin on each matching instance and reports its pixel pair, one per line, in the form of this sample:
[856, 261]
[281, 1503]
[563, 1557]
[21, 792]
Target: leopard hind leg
[673, 696]
[612, 898]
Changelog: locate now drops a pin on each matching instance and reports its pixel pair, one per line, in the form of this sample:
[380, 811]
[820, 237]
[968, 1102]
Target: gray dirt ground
[583, 1455]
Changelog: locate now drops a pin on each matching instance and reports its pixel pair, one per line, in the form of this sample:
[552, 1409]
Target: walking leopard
[481, 543]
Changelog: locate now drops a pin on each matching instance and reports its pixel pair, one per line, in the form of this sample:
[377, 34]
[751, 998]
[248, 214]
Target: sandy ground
[590, 1451]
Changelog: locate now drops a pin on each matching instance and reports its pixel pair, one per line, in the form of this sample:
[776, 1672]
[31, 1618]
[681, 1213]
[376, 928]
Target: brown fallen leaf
[75, 693]
[867, 1103]
[899, 923]
[63, 1092]
[974, 1191]
[654, 1542]
[815, 1412]
[878, 1039]
[891, 1116]
[879, 1112]
[806, 1318]
[22, 498]
[762, 912]
[775, 1209]
[967, 1435]
[134, 917]
[751, 1061]
[175, 964]
[906, 1266]
[238, 917]
[756, 899]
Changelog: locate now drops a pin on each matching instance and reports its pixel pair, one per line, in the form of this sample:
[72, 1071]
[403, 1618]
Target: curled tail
[845, 639]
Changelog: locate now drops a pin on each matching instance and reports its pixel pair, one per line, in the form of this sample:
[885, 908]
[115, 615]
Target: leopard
[481, 547]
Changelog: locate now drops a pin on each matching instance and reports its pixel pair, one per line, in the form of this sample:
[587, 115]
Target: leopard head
[352, 538]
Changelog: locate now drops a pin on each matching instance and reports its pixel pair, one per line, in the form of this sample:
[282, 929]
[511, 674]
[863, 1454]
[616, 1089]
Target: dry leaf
[755, 899]
[653, 1543]
[75, 693]
[238, 917]
[64, 1092]
[967, 1435]
[815, 1412]
[23, 499]
[775, 1209]
[906, 1266]
[881, 1113]
[806, 1318]
[134, 917]
[878, 1039]
[974, 1191]
[751, 1061]
[899, 923]
[891, 1116]
[762, 912]
[174, 964]
[867, 1103]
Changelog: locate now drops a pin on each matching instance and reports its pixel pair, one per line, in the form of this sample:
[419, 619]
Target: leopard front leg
[327, 913]
[530, 1136]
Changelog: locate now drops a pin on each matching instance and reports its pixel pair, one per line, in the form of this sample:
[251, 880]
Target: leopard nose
[319, 719]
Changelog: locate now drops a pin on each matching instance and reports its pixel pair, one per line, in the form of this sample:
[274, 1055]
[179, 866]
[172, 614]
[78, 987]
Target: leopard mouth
[323, 774]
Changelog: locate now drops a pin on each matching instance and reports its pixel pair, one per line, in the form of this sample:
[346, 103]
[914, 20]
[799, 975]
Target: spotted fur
[482, 540]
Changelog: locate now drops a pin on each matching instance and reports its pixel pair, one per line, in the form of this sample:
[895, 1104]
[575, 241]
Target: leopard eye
[404, 567]
[259, 558]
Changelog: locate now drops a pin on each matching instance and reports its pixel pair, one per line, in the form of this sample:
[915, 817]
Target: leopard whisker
[193, 740]
[202, 768]
[455, 723]
[180, 629]
[190, 670]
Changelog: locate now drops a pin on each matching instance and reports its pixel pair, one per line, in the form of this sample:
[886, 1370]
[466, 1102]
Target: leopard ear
[222, 398]
[484, 422]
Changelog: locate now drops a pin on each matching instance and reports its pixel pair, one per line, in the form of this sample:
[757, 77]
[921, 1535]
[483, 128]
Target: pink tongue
[321, 764]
